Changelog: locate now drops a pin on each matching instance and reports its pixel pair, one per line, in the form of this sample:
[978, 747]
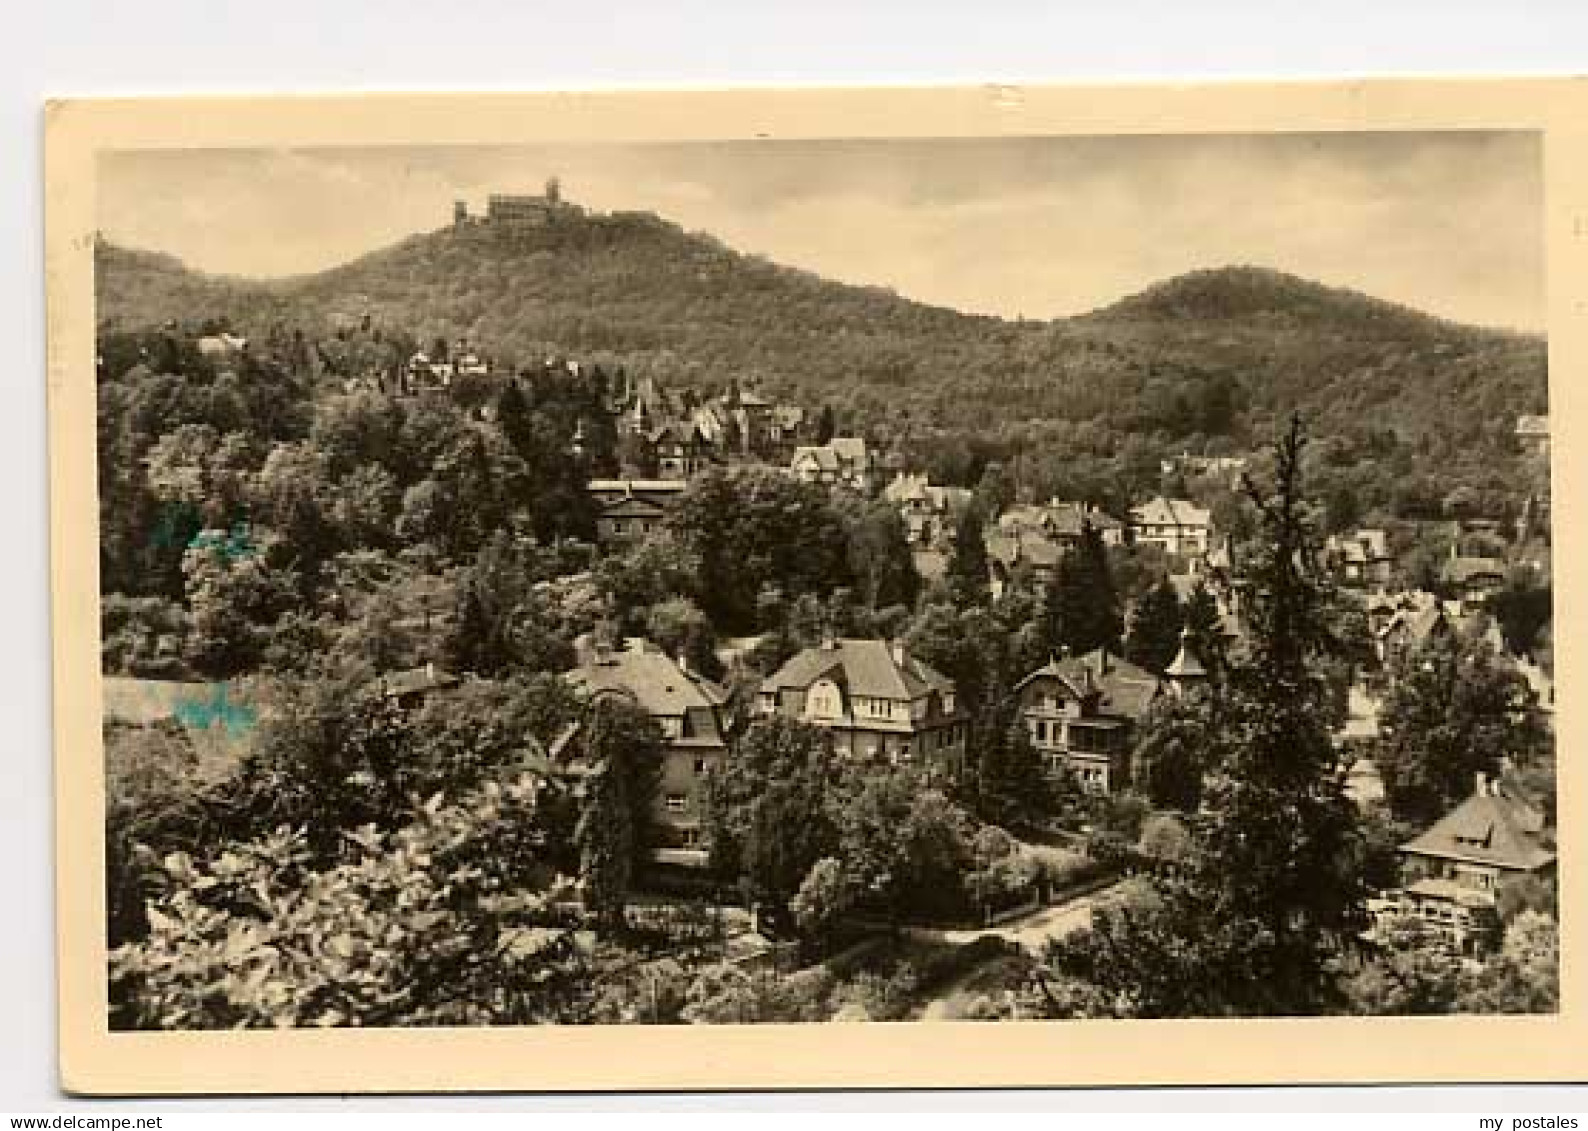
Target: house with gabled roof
[689, 709]
[629, 509]
[1068, 523]
[1175, 525]
[843, 459]
[1081, 713]
[854, 461]
[1454, 870]
[1473, 578]
[679, 447]
[1360, 558]
[927, 510]
[878, 701]
[1532, 433]
[815, 463]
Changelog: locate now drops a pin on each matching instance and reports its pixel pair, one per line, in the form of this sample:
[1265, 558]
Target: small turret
[1186, 670]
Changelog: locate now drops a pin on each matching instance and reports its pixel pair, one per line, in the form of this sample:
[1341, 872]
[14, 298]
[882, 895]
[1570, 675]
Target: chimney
[683, 662]
[901, 655]
[430, 671]
[1481, 784]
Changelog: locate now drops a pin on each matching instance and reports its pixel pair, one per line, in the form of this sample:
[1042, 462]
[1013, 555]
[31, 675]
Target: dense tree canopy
[1456, 711]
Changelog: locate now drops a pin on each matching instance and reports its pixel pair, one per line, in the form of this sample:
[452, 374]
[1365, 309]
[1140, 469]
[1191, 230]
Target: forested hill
[1220, 353]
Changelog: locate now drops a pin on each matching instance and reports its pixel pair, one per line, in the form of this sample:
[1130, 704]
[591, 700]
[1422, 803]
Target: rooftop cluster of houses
[881, 705]
[843, 461]
[685, 433]
[424, 373]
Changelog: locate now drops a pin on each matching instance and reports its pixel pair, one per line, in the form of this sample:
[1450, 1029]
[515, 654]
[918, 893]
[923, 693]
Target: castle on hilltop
[518, 210]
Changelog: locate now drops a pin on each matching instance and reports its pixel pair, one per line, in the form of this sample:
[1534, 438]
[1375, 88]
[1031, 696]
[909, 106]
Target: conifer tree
[1256, 922]
[622, 751]
[1081, 608]
[967, 572]
[1155, 624]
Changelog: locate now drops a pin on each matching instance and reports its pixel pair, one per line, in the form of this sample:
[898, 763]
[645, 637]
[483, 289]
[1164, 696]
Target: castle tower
[460, 212]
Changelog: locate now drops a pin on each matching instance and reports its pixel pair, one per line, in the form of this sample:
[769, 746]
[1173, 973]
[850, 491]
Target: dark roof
[867, 667]
[635, 506]
[1127, 689]
[1462, 570]
[1070, 520]
[654, 680]
[1488, 828]
[676, 432]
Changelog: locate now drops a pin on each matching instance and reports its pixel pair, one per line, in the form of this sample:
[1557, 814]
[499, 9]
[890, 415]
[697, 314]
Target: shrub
[884, 996]
[1058, 869]
[157, 800]
[142, 636]
[726, 994]
[426, 925]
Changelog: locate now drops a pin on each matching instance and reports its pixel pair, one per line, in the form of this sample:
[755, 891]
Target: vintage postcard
[819, 588]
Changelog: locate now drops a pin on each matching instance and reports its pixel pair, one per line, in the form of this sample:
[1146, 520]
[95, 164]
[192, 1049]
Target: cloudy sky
[1450, 222]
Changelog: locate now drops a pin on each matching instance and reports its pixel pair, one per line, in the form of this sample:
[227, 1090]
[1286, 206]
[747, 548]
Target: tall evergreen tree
[967, 572]
[1256, 922]
[826, 424]
[1011, 784]
[1155, 623]
[1081, 608]
[622, 750]
[1205, 623]
[471, 645]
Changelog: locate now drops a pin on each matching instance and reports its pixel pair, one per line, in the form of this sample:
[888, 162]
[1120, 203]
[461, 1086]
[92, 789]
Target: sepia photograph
[779, 580]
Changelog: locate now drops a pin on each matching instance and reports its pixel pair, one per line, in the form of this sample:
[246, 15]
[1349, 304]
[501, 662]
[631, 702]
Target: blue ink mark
[202, 714]
[233, 544]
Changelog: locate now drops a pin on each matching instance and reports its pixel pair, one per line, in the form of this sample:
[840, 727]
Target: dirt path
[1031, 933]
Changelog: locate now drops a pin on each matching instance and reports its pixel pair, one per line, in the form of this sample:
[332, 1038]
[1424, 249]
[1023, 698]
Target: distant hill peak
[1243, 291]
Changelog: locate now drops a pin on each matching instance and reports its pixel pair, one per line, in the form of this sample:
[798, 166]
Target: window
[676, 803]
[700, 767]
